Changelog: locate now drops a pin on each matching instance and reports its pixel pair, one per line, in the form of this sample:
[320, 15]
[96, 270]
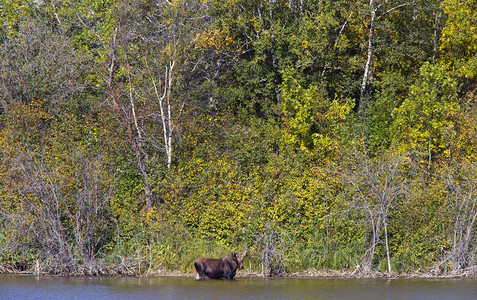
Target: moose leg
[200, 271]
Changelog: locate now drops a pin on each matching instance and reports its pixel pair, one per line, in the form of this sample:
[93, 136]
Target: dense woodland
[136, 136]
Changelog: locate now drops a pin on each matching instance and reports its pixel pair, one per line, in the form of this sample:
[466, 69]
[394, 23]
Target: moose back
[220, 268]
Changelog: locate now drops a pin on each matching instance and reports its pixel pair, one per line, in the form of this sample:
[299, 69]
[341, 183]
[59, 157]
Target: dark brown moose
[221, 268]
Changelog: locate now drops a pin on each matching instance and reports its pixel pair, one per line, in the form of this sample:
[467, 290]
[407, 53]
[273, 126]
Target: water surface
[32, 287]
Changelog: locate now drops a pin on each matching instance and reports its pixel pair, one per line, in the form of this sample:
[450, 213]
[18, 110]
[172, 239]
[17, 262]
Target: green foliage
[264, 125]
[12, 14]
[311, 119]
[387, 98]
[459, 37]
[418, 226]
[33, 66]
[426, 119]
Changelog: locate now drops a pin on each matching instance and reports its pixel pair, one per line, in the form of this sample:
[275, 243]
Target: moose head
[239, 259]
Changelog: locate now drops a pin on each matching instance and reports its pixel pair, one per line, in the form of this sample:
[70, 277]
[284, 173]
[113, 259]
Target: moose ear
[234, 254]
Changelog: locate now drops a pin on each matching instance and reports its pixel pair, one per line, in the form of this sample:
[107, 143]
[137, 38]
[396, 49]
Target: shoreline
[309, 274]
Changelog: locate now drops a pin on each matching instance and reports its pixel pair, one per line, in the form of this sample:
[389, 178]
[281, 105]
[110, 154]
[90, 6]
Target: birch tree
[106, 35]
[166, 34]
[375, 11]
[142, 50]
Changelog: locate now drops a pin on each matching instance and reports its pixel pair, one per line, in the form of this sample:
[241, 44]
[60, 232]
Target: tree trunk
[136, 147]
[165, 109]
[168, 130]
[376, 226]
[436, 36]
[387, 245]
[364, 83]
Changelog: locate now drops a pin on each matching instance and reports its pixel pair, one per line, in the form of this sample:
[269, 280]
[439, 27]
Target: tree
[11, 14]
[167, 39]
[56, 187]
[107, 36]
[458, 45]
[40, 63]
[425, 120]
[462, 182]
[70, 229]
[312, 121]
[375, 186]
[399, 37]
[376, 11]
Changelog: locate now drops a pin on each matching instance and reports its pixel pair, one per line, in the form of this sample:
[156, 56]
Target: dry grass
[308, 274]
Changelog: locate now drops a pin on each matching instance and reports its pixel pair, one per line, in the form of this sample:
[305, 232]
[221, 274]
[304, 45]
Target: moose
[221, 268]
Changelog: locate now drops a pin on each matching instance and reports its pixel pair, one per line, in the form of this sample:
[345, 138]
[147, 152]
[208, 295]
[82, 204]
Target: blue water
[31, 287]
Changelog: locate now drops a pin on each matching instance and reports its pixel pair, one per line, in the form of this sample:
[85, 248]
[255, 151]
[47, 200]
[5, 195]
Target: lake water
[32, 287]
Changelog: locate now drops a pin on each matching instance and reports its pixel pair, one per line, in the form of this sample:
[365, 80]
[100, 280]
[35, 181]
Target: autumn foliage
[137, 136]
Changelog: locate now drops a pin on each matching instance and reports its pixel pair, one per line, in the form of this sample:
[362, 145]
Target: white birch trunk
[364, 83]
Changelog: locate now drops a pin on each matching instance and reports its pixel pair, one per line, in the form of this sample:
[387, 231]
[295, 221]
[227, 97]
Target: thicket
[136, 136]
